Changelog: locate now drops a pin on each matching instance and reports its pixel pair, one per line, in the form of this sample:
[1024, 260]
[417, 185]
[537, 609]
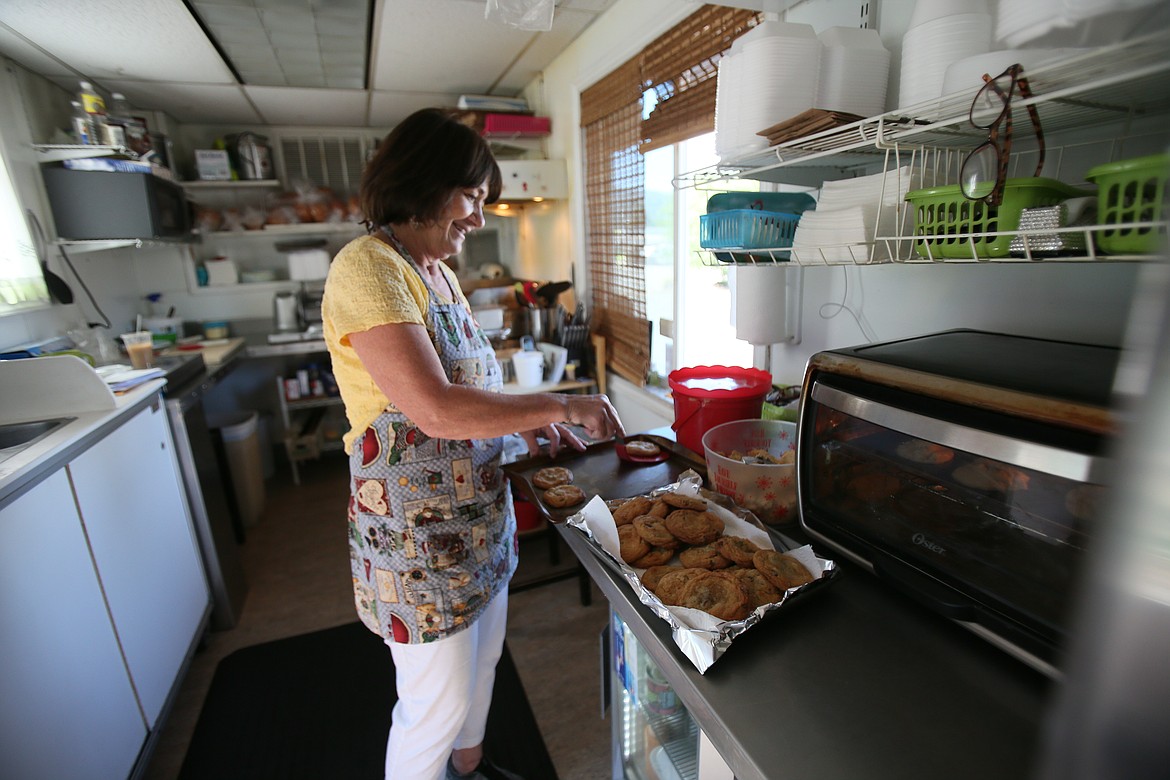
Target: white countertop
[36, 389]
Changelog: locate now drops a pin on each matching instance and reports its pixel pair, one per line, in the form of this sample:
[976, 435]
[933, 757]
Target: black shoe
[486, 770]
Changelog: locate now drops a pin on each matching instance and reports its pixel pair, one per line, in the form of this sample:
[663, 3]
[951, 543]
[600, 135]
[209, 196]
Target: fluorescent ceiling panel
[291, 43]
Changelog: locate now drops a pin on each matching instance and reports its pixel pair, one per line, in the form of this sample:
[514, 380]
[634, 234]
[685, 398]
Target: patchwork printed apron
[432, 533]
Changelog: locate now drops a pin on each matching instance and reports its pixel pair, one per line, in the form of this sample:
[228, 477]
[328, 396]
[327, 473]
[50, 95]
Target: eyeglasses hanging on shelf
[984, 171]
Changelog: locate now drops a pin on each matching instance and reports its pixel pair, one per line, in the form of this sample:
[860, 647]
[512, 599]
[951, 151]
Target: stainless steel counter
[856, 682]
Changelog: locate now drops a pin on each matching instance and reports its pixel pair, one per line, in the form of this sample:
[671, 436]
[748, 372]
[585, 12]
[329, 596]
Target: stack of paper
[120, 377]
[851, 214]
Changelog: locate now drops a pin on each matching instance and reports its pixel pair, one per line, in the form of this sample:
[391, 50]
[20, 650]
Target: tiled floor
[297, 564]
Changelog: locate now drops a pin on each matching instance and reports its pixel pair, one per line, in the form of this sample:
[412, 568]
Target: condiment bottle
[93, 104]
[83, 129]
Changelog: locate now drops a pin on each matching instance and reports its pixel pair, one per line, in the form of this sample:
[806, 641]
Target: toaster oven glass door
[996, 519]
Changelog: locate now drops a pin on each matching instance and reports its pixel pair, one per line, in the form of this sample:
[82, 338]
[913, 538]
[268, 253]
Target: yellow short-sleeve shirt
[369, 284]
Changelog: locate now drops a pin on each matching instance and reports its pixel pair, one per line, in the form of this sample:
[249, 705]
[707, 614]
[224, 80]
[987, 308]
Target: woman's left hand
[557, 435]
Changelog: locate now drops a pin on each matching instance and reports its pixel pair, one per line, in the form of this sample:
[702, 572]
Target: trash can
[241, 445]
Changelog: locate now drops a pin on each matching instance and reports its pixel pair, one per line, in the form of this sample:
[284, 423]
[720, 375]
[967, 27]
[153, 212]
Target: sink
[23, 434]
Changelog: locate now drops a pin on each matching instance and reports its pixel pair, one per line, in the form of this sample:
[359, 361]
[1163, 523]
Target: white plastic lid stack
[966, 75]
[726, 109]
[1076, 22]
[855, 69]
[773, 76]
[941, 32]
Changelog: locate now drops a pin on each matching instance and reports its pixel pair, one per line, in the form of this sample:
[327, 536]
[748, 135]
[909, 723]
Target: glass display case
[654, 737]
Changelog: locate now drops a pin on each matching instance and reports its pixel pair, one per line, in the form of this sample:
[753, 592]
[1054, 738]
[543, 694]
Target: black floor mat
[317, 707]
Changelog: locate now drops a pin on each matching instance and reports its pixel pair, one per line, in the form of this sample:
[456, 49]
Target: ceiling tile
[160, 41]
[156, 53]
[20, 50]
[566, 26]
[474, 51]
[389, 108]
[228, 16]
[195, 103]
[297, 106]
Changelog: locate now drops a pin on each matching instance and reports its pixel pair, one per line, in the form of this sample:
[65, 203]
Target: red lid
[720, 382]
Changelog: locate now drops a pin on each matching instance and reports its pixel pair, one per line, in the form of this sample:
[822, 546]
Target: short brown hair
[419, 164]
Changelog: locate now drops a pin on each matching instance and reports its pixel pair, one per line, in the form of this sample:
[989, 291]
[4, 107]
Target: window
[688, 299]
[657, 100]
[22, 286]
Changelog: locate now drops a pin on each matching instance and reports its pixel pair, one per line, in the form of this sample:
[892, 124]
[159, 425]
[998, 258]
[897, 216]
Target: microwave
[966, 468]
[97, 205]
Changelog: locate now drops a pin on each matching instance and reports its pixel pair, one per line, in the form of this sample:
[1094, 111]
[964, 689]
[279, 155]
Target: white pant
[444, 692]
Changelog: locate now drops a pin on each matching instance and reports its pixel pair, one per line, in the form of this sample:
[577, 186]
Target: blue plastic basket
[747, 229]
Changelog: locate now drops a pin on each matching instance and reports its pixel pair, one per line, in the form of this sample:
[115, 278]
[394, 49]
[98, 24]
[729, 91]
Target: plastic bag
[523, 14]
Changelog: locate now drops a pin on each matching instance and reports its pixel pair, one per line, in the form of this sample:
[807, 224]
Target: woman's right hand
[595, 414]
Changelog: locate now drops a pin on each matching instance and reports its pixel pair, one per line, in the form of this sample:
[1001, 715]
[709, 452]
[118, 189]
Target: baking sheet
[598, 471]
[702, 638]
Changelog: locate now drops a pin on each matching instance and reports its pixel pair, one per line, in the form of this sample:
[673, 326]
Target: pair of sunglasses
[984, 171]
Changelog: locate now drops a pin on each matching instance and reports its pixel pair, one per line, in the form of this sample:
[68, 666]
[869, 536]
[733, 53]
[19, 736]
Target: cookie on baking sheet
[736, 548]
[642, 449]
[631, 545]
[658, 556]
[653, 530]
[781, 569]
[921, 451]
[562, 496]
[704, 556]
[694, 527]
[757, 587]
[638, 505]
[679, 501]
[551, 476]
[671, 585]
[718, 594]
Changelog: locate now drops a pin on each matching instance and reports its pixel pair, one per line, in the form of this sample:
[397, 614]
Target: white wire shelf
[1128, 80]
[904, 249]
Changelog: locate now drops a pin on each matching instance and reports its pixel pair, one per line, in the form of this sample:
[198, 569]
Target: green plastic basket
[942, 215]
[1130, 191]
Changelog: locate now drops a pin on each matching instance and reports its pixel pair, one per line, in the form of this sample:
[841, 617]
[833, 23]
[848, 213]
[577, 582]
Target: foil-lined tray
[701, 637]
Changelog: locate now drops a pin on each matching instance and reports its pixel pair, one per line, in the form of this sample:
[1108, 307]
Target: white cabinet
[67, 708]
[136, 518]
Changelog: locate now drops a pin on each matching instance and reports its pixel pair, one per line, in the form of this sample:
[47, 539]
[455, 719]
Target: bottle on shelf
[94, 105]
[82, 126]
[124, 129]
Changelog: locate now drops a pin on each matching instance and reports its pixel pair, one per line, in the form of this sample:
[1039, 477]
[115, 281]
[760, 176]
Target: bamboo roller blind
[680, 66]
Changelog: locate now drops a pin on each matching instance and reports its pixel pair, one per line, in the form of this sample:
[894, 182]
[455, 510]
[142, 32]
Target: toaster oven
[966, 468]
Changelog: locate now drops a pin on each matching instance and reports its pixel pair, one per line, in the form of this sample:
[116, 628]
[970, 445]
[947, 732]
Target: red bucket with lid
[706, 396]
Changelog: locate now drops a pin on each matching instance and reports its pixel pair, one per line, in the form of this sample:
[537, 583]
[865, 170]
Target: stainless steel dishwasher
[208, 486]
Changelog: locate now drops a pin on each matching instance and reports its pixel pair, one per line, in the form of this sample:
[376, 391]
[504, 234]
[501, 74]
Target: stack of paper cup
[941, 32]
[855, 67]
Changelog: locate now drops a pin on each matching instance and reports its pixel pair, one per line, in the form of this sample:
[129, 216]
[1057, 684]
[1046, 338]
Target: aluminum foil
[702, 638]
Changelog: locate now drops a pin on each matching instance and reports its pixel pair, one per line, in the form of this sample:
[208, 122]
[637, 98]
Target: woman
[432, 531]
